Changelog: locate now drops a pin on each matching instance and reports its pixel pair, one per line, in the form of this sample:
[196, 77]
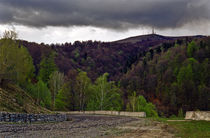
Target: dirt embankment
[89, 126]
[15, 99]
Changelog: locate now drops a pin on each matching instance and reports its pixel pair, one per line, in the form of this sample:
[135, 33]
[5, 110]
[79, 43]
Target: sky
[60, 21]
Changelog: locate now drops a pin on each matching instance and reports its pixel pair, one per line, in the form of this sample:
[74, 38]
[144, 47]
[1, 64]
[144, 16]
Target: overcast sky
[52, 21]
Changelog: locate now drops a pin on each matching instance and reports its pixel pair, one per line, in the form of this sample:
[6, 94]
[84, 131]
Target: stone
[198, 115]
[23, 118]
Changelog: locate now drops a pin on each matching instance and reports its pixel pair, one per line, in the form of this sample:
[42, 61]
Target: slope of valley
[97, 58]
[171, 73]
[141, 64]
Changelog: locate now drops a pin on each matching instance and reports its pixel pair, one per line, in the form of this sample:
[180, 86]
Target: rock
[198, 115]
[23, 118]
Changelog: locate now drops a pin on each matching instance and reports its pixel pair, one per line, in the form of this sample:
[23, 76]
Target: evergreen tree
[64, 98]
[43, 94]
[46, 67]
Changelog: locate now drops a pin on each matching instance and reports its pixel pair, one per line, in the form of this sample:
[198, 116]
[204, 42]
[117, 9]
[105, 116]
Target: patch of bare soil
[144, 128]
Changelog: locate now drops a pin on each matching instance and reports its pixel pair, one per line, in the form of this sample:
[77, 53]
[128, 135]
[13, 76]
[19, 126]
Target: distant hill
[153, 37]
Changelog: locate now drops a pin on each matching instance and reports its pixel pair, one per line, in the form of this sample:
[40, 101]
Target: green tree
[15, 60]
[131, 106]
[191, 48]
[43, 94]
[56, 81]
[139, 104]
[185, 74]
[46, 67]
[64, 98]
[105, 95]
[82, 86]
[40, 93]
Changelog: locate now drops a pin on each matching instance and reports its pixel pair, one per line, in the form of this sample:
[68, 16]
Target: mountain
[154, 38]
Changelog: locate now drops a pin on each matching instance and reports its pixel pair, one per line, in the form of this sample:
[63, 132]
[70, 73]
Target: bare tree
[10, 34]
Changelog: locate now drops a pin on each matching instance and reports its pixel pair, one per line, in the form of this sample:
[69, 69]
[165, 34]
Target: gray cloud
[114, 14]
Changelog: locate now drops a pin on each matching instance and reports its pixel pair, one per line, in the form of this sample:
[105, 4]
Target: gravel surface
[90, 126]
[78, 126]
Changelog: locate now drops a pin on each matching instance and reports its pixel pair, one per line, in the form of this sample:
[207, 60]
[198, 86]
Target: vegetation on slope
[168, 72]
[14, 99]
[177, 79]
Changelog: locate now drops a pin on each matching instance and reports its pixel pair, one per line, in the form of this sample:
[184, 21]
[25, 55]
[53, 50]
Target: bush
[139, 104]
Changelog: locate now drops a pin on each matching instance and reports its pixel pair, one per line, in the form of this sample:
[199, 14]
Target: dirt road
[88, 126]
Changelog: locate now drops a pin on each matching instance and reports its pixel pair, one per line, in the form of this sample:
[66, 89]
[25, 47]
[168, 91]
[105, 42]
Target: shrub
[139, 104]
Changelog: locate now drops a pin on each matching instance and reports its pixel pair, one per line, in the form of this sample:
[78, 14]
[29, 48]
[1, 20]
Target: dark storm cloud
[115, 14]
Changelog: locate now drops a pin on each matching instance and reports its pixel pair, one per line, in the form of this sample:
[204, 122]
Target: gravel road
[82, 126]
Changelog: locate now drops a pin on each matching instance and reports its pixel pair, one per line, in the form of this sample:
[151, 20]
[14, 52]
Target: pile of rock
[24, 118]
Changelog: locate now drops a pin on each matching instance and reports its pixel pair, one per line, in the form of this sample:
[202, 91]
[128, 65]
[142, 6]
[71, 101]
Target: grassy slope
[14, 99]
[188, 129]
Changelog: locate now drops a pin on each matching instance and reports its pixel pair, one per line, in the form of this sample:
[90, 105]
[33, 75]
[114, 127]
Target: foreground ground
[188, 128]
[89, 126]
[108, 126]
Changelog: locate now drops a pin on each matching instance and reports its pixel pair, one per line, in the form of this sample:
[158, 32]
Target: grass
[188, 129]
[192, 129]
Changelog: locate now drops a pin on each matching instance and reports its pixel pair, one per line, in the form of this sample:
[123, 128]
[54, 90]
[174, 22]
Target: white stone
[198, 115]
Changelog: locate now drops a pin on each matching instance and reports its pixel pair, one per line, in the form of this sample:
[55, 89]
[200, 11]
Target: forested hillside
[172, 73]
[174, 79]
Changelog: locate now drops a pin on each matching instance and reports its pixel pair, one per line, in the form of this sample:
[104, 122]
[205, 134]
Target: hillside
[97, 58]
[14, 99]
[169, 75]
[177, 79]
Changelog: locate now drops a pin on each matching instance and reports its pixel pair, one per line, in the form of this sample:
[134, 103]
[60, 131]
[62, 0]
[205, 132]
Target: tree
[191, 48]
[64, 97]
[82, 86]
[40, 93]
[56, 81]
[43, 94]
[105, 95]
[139, 104]
[132, 102]
[10, 34]
[46, 67]
[15, 60]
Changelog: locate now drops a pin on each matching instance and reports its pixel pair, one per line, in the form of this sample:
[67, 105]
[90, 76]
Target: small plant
[180, 113]
[19, 99]
[173, 116]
